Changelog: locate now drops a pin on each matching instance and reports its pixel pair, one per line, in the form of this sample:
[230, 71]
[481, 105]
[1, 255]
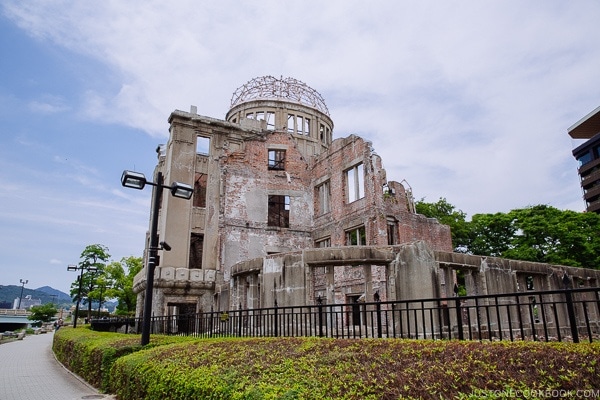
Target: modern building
[588, 156]
[271, 179]
[26, 303]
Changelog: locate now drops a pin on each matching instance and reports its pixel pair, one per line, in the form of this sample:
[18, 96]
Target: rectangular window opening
[290, 124]
[356, 236]
[270, 120]
[200, 183]
[355, 187]
[326, 242]
[279, 211]
[299, 125]
[196, 245]
[392, 234]
[202, 145]
[323, 198]
[277, 160]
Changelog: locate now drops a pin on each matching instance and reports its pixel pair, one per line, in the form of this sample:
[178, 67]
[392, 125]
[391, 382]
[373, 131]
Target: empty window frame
[299, 125]
[323, 198]
[392, 231]
[324, 134]
[200, 182]
[196, 245]
[355, 183]
[277, 160]
[270, 120]
[202, 145]
[356, 236]
[326, 242]
[279, 211]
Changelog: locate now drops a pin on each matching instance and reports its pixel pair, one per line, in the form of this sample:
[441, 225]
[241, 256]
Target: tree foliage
[43, 313]
[94, 255]
[447, 214]
[119, 277]
[538, 233]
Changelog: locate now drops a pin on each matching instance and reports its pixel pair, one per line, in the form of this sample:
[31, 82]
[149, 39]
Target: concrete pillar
[416, 274]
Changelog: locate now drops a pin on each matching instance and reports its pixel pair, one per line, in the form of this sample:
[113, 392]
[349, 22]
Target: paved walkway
[29, 371]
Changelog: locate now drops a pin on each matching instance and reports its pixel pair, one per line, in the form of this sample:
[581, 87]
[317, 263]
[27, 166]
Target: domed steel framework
[286, 89]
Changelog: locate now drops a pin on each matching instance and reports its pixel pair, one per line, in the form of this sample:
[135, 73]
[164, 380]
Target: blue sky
[467, 100]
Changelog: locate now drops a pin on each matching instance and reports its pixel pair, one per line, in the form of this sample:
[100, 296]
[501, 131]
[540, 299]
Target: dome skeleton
[269, 87]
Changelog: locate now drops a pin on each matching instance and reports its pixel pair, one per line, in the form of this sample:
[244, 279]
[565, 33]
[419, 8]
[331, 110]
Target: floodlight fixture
[182, 190]
[134, 180]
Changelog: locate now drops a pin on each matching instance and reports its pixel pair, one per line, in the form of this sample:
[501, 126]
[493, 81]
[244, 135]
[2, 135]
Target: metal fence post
[240, 320]
[276, 321]
[378, 311]
[459, 321]
[320, 311]
[571, 313]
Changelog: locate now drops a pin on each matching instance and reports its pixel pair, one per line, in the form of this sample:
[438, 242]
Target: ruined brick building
[284, 214]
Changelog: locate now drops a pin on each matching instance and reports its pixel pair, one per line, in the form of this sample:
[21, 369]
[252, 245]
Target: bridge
[13, 319]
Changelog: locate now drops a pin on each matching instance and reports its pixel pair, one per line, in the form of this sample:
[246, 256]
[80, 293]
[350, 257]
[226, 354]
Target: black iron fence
[559, 315]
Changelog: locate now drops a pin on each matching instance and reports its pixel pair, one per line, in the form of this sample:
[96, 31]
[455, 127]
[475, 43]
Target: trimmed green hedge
[91, 354]
[313, 368]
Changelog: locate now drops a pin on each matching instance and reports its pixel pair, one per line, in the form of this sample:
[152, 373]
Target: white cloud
[466, 100]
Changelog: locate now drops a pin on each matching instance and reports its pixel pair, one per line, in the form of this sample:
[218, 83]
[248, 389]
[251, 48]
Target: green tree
[120, 276]
[94, 255]
[491, 234]
[539, 233]
[447, 214]
[43, 313]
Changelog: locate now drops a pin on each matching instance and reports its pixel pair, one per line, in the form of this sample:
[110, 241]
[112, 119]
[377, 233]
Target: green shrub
[90, 354]
[314, 368]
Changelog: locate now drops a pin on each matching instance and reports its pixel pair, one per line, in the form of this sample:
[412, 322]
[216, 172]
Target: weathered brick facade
[269, 180]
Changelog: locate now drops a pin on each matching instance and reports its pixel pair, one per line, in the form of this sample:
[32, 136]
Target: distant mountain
[61, 296]
[46, 294]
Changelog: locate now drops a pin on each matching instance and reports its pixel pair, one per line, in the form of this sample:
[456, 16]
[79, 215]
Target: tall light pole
[23, 283]
[89, 268]
[136, 180]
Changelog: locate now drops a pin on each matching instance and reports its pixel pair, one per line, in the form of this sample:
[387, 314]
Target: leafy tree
[119, 276]
[491, 234]
[43, 313]
[94, 255]
[539, 233]
[447, 214]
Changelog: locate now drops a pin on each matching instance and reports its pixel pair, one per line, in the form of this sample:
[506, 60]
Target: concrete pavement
[29, 371]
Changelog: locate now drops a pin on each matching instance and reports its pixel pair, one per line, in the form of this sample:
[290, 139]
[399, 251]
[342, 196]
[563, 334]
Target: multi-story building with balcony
[588, 156]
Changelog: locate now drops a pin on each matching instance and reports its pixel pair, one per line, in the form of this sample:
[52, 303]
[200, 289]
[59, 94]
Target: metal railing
[559, 315]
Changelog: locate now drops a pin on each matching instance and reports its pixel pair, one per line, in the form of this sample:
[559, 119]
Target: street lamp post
[23, 283]
[81, 267]
[136, 180]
